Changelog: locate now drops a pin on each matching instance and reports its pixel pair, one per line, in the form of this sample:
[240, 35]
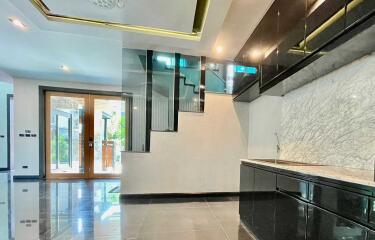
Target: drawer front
[370, 235]
[290, 217]
[293, 186]
[264, 181]
[372, 213]
[351, 205]
[323, 225]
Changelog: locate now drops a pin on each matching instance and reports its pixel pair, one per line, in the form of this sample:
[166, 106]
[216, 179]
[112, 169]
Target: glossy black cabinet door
[293, 186]
[372, 212]
[370, 235]
[322, 224]
[264, 204]
[290, 218]
[246, 187]
[345, 203]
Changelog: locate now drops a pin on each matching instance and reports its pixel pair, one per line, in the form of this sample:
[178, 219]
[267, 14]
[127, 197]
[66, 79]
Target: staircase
[167, 84]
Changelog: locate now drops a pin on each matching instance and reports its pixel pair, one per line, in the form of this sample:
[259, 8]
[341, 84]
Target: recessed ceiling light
[219, 49]
[17, 23]
[65, 68]
[255, 54]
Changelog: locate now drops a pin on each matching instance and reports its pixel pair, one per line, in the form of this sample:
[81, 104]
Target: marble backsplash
[332, 119]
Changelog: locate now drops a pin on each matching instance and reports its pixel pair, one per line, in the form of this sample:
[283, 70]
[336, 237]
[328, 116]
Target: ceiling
[94, 55]
[158, 12]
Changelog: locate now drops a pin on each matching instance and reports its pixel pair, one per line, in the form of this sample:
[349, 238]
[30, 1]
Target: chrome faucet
[278, 149]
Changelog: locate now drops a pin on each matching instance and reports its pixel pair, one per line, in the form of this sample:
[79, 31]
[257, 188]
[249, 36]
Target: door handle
[91, 143]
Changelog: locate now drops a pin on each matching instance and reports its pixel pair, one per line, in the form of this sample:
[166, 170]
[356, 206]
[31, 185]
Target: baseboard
[26, 178]
[178, 195]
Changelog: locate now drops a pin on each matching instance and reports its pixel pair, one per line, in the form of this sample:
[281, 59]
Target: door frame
[42, 116]
[9, 97]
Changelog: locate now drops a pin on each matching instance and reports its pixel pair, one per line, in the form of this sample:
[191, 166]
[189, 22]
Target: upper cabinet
[295, 33]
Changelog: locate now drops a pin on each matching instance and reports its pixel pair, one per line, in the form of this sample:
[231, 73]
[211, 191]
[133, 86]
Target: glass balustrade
[134, 84]
[190, 77]
[163, 79]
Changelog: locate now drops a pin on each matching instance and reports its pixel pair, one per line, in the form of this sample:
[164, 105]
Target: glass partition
[190, 77]
[225, 77]
[134, 82]
[216, 75]
[163, 67]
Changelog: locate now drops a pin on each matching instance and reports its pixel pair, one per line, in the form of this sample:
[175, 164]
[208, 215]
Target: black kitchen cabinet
[328, 226]
[372, 212]
[293, 186]
[345, 203]
[246, 202]
[290, 218]
[370, 235]
[281, 205]
[264, 204]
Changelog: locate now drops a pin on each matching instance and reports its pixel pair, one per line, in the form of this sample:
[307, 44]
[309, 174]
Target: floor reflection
[92, 210]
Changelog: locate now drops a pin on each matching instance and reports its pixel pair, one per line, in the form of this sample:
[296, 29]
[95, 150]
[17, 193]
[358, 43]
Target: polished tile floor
[92, 210]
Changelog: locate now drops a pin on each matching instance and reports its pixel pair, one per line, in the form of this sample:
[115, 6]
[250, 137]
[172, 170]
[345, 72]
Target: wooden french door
[85, 134]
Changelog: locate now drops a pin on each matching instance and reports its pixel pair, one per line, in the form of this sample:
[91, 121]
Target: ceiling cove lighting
[195, 35]
[17, 23]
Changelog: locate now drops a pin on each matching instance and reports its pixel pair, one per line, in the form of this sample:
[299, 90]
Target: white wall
[264, 122]
[26, 114]
[203, 156]
[4, 206]
[5, 89]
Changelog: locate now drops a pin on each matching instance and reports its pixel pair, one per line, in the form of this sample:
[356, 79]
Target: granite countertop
[351, 175]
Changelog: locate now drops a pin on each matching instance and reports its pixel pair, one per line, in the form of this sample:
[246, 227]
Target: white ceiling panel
[94, 54]
[175, 15]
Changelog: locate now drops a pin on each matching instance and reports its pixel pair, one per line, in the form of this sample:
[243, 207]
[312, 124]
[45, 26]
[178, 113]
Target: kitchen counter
[349, 175]
[296, 201]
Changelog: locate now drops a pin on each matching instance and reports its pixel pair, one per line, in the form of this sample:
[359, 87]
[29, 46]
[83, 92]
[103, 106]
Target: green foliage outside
[63, 149]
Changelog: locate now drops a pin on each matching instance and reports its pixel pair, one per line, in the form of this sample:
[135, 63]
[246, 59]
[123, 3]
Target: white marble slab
[352, 175]
[331, 120]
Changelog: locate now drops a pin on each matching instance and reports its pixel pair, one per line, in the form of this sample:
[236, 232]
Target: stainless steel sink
[285, 162]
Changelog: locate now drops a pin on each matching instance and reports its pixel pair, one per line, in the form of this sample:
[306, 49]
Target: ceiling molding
[199, 20]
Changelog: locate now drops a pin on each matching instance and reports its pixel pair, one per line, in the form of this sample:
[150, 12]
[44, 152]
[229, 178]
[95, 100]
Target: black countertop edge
[349, 186]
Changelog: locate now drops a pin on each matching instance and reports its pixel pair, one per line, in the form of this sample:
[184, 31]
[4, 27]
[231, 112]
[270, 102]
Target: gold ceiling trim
[195, 35]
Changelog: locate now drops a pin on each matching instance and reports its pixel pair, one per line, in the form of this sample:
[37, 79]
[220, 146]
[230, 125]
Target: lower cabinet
[290, 218]
[246, 201]
[370, 235]
[275, 209]
[328, 226]
[264, 204]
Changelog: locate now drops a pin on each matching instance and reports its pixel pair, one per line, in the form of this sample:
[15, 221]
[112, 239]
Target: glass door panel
[85, 135]
[109, 134]
[65, 118]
